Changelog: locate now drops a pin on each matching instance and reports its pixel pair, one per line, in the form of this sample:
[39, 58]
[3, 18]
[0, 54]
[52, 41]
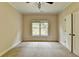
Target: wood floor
[39, 49]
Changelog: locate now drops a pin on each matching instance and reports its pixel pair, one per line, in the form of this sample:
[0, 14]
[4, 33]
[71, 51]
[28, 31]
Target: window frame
[40, 21]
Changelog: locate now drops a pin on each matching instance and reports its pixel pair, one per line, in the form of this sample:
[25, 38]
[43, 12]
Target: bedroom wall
[10, 27]
[53, 27]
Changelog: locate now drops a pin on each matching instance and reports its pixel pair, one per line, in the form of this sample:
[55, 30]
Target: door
[68, 32]
[76, 32]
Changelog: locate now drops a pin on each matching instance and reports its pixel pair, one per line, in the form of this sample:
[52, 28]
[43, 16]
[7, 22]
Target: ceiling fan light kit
[39, 4]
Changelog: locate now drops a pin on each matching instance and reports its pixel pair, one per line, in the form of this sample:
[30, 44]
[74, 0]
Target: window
[39, 28]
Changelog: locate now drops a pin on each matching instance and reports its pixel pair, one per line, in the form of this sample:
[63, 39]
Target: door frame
[71, 32]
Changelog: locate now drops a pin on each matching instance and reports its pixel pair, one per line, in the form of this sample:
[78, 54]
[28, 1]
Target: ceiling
[32, 7]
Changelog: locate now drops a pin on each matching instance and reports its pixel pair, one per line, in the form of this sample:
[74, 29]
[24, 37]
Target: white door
[76, 32]
[68, 32]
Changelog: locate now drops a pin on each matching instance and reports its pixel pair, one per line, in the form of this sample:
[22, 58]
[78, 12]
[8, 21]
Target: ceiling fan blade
[50, 2]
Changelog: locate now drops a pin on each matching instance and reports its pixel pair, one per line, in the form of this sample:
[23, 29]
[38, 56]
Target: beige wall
[10, 27]
[70, 9]
[53, 27]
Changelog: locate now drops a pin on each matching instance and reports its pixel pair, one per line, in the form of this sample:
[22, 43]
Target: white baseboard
[1, 54]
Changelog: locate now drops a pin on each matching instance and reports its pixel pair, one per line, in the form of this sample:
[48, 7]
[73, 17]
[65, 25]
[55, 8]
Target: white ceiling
[32, 7]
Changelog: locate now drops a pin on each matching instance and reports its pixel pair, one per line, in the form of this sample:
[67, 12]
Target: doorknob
[72, 34]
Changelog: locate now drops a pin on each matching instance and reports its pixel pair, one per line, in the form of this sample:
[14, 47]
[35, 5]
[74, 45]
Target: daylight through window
[39, 28]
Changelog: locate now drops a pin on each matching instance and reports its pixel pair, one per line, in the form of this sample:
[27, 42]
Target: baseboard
[38, 41]
[1, 54]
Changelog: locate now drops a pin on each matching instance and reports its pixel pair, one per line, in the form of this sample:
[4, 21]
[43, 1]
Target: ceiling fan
[39, 4]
